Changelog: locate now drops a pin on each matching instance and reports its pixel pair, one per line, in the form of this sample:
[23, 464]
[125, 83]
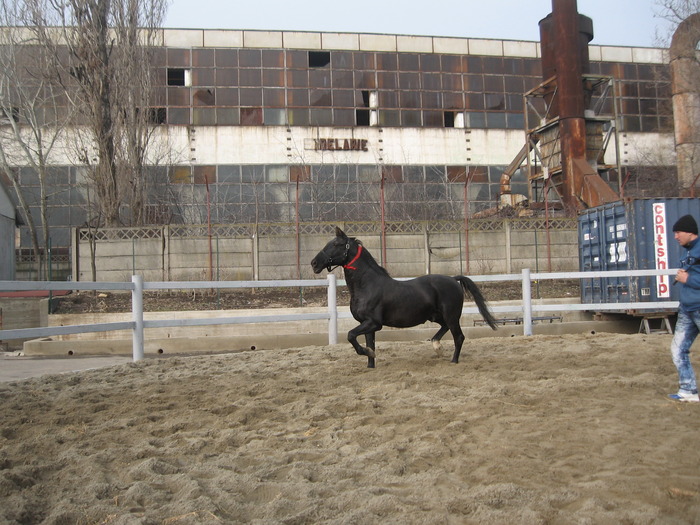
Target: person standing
[685, 231]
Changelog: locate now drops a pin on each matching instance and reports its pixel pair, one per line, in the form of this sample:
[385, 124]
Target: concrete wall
[491, 247]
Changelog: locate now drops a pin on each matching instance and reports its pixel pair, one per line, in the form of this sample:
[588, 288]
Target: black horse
[377, 300]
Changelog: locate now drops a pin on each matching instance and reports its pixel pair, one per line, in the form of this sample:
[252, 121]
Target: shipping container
[632, 234]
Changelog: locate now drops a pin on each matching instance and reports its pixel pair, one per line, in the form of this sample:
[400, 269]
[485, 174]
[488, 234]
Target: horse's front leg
[369, 340]
[366, 327]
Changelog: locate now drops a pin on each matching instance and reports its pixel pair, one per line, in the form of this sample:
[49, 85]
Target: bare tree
[33, 117]
[105, 49]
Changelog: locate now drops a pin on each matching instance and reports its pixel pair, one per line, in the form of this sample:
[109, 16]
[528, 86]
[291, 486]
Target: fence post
[332, 310]
[137, 316]
[527, 302]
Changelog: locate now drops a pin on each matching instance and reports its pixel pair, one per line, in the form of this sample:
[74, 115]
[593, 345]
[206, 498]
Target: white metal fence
[137, 286]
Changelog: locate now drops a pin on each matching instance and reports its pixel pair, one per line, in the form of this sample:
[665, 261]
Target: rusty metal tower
[571, 135]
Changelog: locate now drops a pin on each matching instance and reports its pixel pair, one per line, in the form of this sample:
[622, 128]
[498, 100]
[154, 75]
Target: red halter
[349, 265]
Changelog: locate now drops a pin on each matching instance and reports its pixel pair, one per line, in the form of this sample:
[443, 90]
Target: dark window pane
[341, 60]
[452, 64]
[249, 58]
[474, 65]
[364, 60]
[226, 77]
[387, 80]
[274, 117]
[365, 80]
[409, 81]
[179, 57]
[320, 78]
[496, 120]
[343, 98]
[298, 78]
[408, 62]
[203, 57]
[474, 83]
[227, 96]
[515, 120]
[297, 59]
[179, 116]
[251, 97]
[203, 97]
[493, 83]
[431, 100]
[452, 82]
[453, 101]
[431, 81]
[228, 116]
[273, 98]
[176, 76]
[389, 118]
[409, 99]
[272, 58]
[475, 100]
[433, 119]
[178, 97]
[411, 118]
[273, 78]
[250, 77]
[494, 101]
[493, 65]
[298, 117]
[344, 117]
[514, 84]
[342, 79]
[230, 174]
[226, 58]
[386, 61]
[251, 116]
[362, 117]
[476, 119]
[430, 62]
[203, 77]
[320, 97]
[319, 58]
[298, 97]
[321, 117]
[388, 99]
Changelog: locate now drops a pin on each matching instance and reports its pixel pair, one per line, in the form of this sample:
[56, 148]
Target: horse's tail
[471, 287]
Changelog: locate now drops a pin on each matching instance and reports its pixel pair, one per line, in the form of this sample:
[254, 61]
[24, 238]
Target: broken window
[319, 58]
[178, 76]
[9, 113]
[157, 115]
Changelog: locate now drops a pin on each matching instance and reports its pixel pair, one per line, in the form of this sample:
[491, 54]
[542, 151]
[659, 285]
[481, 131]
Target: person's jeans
[687, 329]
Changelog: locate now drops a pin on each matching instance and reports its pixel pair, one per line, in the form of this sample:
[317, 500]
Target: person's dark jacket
[690, 290]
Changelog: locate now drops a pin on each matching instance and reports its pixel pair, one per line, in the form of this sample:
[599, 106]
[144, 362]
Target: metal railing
[137, 287]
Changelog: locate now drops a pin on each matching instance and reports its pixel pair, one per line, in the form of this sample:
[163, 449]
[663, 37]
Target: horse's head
[335, 253]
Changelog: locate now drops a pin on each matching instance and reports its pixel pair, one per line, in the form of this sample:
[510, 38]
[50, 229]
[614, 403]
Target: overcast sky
[615, 22]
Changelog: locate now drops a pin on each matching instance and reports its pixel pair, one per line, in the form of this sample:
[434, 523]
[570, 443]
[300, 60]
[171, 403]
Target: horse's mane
[369, 259]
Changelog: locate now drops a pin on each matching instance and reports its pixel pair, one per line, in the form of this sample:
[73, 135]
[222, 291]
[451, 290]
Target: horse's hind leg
[459, 340]
[437, 344]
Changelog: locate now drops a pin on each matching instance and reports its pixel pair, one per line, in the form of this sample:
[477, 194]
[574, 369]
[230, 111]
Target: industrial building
[276, 126]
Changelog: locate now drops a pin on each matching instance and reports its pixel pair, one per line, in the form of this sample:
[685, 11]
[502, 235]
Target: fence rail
[137, 286]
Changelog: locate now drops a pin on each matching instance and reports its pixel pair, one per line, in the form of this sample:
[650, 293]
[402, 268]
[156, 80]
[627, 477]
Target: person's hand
[681, 276]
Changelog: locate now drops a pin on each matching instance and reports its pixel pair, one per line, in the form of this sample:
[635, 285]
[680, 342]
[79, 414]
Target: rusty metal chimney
[685, 83]
[564, 42]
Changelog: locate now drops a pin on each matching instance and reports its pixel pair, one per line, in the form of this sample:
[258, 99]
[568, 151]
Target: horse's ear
[340, 233]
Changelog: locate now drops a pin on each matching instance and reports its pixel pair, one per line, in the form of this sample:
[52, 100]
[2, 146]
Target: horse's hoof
[370, 353]
[370, 363]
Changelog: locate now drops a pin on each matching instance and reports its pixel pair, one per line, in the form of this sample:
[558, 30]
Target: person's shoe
[685, 397]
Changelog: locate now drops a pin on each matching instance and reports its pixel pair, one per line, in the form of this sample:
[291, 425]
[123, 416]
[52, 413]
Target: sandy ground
[546, 429]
